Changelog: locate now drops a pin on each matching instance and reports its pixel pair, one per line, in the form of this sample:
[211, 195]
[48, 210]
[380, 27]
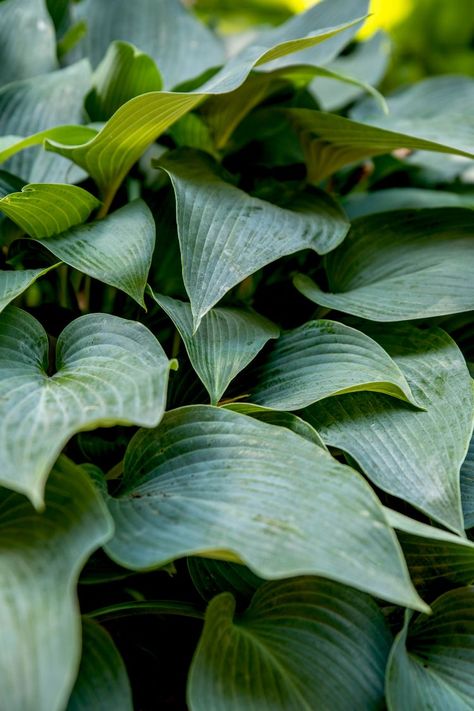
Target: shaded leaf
[117, 250]
[14, 283]
[225, 234]
[324, 358]
[211, 577]
[294, 648]
[432, 660]
[108, 371]
[43, 210]
[102, 683]
[231, 487]
[409, 453]
[360, 204]
[227, 340]
[403, 265]
[467, 486]
[41, 558]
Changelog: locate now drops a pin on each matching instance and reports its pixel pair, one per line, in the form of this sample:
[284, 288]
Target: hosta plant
[236, 405]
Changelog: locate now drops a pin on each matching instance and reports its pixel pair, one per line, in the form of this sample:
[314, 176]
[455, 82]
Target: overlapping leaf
[413, 454]
[14, 283]
[213, 482]
[467, 486]
[400, 266]
[360, 204]
[40, 560]
[43, 210]
[226, 341]
[108, 371]
[294, 648]
[225, 234]
[117, 250]
[321, 359]
[431, 664]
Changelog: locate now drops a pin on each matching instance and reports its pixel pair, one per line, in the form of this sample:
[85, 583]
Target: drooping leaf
[226, 341]
[14, 283]
[124, 73]
[108, 371]
[467, 486]
[231, 487]
[41, 558]
[33, 105]
[431, 664]
[413, 454]
[181, 46]
[117, 250]
[294, 648]
[27, 40]
[324, 358]
[368, 63]
[43, 210]
[361, 204]
[102, 683]
[402, 265]
[225, 234]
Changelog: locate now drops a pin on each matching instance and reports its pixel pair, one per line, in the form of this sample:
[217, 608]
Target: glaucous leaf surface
[14, 283]
[467, 486]
[102, 683]
[294, 648]
[324, 358]
[27, 40]
[116, 250]
[43, 210]
[227, 340]
[431, 664]
[413, 454]
[401, 266]
[226, 234]
[107, 371]
[216, 483]
[41, 557]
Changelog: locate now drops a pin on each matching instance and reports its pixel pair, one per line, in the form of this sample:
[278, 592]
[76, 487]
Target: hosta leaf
[41, 558]
[109, 156]
[412, 454]
[403, 265]
[44, 210]
[108, 371]
[431, 664]
[211, 577]
[360, 204]
[181, 45]
[467, 486]
[225, 234]
[324, 358]
[226, 341]
[102, 683]
[366, 63]
[435, 558]
[27, 40]
[116, 250]
[33, 105]
[231, 487]
[277, 417]
[124, 72]
[331, 142]
[293, 648]
[14, 283]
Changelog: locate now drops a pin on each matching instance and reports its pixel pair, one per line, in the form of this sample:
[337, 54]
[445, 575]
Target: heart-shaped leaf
[117, 250]
[40, 561]
[293, 648]
[102, 683]
[431, 664]
[228, 485]
[226, 341]
[321, 359]
[43, 210]
[402, 265]
[412, 454]
[224, 231]
[108, 371]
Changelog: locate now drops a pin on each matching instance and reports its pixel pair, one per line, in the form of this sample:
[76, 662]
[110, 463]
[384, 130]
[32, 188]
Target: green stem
[157, 607]
[63, 273]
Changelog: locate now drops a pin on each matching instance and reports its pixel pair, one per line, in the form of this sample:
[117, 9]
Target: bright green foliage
[236, 352]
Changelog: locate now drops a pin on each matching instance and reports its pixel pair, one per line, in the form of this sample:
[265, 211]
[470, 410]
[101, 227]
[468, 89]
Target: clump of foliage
[235, 347]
